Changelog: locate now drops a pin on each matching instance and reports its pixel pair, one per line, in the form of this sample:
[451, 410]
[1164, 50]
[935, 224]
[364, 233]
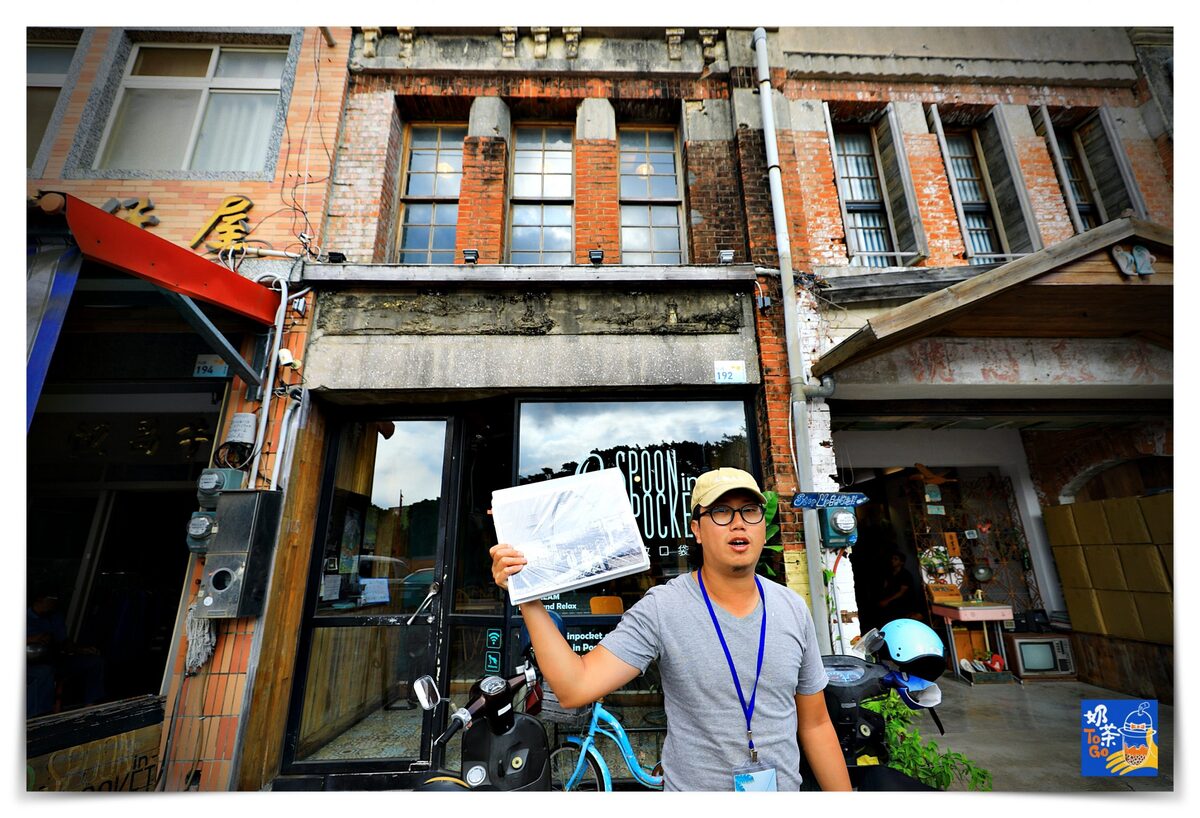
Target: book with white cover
[574, 531]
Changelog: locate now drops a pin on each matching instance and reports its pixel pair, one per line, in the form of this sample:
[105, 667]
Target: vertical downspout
[797, 367]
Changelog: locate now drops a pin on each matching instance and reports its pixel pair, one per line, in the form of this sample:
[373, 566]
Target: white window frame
[650, 201]
[206, 85]
[514, 200]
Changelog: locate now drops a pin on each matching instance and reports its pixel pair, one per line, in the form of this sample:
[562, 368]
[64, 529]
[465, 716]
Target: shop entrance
[400, 587]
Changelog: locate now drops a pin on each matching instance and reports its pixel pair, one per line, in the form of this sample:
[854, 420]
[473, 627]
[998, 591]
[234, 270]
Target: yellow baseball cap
[712, 484]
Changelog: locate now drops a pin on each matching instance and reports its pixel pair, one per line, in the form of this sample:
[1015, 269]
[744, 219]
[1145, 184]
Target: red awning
[105, 238]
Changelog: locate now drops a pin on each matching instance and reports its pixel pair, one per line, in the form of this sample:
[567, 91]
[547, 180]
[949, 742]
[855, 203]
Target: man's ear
[695, 526]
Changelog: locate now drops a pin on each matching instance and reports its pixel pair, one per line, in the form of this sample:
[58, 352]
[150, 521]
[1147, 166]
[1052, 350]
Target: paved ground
[1028, 736]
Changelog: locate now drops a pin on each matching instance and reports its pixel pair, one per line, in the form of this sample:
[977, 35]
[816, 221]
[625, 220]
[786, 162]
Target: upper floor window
[868, 227]
[987, 183]
[972, 185]
[46, 67]
[650, 197]
[199, 108]
[875, 190]
[1080, 183]
[433, 176]
[1095, 174]
[542, 203]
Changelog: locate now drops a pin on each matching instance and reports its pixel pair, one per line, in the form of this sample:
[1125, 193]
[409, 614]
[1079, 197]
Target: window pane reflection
[382, 539]
[660, 446]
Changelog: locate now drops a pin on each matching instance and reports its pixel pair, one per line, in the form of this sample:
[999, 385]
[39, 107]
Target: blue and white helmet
[914, 648]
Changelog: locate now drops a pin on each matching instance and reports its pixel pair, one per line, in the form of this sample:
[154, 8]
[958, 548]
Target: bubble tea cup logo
[1118, 737]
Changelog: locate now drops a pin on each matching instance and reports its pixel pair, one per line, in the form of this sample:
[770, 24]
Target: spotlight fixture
[596, 256]
[470, 256]
[725, 256]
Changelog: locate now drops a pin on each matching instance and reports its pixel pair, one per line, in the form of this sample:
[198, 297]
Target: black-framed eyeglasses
[723, 515]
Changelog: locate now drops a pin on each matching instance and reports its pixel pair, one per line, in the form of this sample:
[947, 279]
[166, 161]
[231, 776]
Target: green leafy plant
[921, 759]
[773, 549]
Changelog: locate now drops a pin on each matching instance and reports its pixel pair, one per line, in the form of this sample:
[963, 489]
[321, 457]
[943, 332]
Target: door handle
[434, 588]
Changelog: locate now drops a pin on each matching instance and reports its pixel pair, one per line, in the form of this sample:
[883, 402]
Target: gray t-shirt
[706, 729]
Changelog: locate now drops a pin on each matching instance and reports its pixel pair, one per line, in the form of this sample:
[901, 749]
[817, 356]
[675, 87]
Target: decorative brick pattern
[597, 200]
[483, 199]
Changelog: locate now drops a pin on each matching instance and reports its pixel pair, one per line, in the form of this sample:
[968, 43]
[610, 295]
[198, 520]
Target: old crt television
[1039, 655]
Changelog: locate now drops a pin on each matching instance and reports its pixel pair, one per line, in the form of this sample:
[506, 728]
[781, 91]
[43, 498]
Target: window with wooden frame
[988, 188]
[651, 197]
[46, 68]
[432, 179]
[541, 202]
[875, 192]
[194, 107]
[1094, 172]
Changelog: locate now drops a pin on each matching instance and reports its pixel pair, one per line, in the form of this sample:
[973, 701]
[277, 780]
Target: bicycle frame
[613, 730]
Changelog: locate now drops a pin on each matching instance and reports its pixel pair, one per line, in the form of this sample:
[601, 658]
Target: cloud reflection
[410, 462]
[556, 433]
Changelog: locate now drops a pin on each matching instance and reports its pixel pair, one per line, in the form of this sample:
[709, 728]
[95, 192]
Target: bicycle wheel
[563, 762]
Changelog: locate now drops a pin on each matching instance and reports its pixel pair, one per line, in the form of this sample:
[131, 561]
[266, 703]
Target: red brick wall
[1156, 186]
[714, 195]
[1166, 153]
[365, 175]
[483, 199]
[756, 191]
[597, 200]
[815, 202]
[1045, 195]
[1059, 461]
[934, 200]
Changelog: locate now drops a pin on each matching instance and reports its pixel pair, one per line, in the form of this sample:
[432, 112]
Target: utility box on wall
[239, 554]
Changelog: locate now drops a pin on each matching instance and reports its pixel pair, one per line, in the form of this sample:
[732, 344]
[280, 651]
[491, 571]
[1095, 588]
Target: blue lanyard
[762, 642]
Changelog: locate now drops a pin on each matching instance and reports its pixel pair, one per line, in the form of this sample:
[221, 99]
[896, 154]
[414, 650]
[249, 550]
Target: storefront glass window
[661, 447]
[381, 542]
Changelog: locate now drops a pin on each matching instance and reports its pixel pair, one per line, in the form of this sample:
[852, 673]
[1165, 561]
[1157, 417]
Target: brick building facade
[459, 334]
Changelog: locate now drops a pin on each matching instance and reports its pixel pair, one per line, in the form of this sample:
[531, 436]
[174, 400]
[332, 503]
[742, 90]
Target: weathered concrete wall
[1058, 55]
[1011, 368]
[383, 342]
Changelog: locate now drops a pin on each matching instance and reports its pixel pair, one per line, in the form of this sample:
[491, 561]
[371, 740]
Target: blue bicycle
[578, 764]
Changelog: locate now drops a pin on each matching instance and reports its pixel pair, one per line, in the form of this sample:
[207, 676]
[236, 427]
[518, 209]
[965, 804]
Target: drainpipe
[797, 368]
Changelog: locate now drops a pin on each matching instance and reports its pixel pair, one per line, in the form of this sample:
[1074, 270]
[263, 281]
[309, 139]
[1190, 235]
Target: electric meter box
[200, 530]
[214, 481]
[839, 526]
[239, 554]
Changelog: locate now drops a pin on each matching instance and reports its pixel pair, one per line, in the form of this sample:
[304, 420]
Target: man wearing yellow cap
[741, 668]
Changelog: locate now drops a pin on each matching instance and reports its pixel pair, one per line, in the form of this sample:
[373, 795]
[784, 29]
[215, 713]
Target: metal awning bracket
[198, 321]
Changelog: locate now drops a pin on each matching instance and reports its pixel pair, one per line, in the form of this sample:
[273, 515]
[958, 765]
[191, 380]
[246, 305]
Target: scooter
[501, 749]
[908, 667]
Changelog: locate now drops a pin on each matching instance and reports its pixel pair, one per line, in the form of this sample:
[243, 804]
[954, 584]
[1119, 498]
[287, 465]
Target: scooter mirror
[427, 692]
[871, 641]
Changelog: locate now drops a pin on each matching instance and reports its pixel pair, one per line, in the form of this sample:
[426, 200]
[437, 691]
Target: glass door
[375, 600]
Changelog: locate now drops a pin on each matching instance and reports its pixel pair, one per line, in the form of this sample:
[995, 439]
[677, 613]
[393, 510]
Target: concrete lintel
[707, 120]
[1011, 368]
[1018, 120]
[595, 119]
[373, 363]
[912, 117]
[747, 110]
[489, 117]
[807, 115]
[501, 274]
